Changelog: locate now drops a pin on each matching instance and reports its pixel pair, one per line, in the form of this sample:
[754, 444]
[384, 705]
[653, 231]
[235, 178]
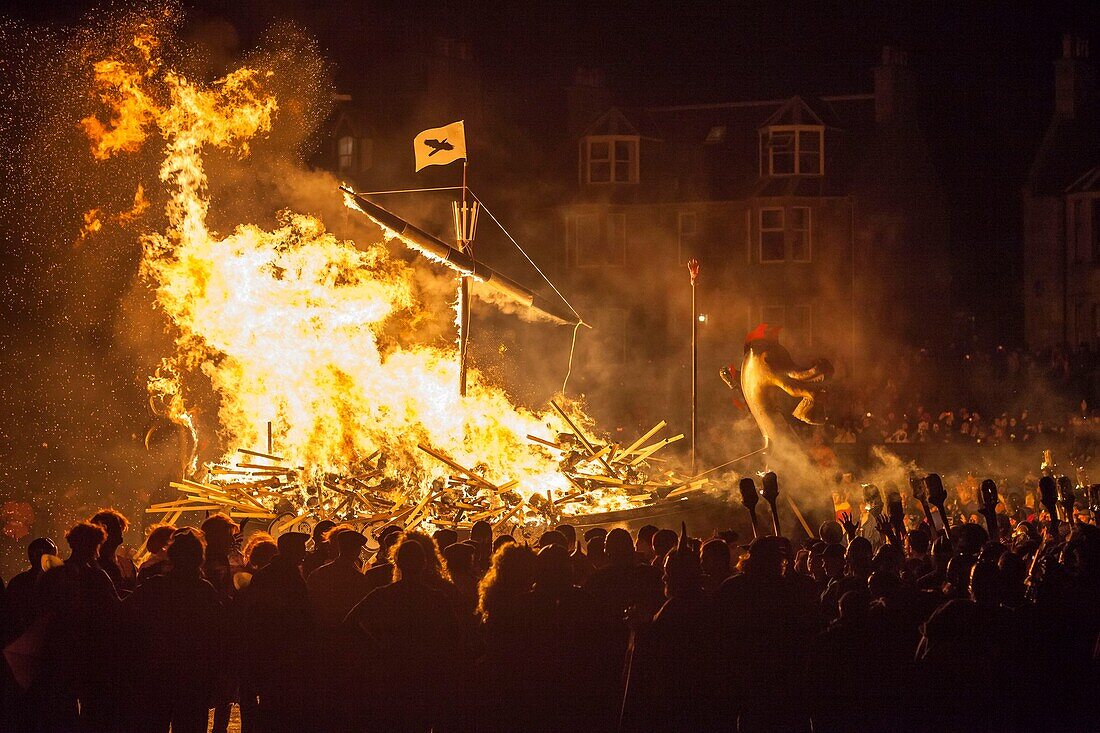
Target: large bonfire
[319, 413]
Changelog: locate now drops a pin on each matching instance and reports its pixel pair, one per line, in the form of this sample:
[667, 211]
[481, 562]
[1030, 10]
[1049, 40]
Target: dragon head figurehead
[767, 372]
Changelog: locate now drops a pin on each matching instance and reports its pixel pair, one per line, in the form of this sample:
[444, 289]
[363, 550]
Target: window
[792, 150]
[785, 234]
[345, 153]
[773, 246]
[595, 240]
[687, 223]
[800, 233]
[610, 159]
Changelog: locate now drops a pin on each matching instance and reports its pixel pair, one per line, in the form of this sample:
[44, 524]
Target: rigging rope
[580, 321]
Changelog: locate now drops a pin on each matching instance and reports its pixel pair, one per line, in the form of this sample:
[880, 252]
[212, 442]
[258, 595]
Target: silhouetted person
[715, 563]
[594, 548]
[335, 587]
[768, 627]
[279, 621]
[219, 531]
[20, 594]
[322, 551]
[80, 648]
[481, 534]
[626, 584]
[179, 643]
[671, 679]
[120, 570]
[157, 546]
[380, 572]
[409, 631]
[459, 558]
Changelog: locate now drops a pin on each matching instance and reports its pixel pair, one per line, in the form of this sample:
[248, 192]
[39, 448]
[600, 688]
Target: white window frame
[782, 229]
[809, 235]
[681, 232]
[347, 153]
[587, 160]
[767, 151]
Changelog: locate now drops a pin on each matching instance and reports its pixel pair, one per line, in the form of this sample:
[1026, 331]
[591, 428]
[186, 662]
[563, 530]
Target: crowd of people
[908, 627]
[969, 397]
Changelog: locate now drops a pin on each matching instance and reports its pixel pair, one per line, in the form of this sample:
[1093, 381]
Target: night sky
[986, 71]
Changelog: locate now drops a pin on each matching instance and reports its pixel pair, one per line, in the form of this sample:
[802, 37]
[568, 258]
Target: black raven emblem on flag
[437, 145]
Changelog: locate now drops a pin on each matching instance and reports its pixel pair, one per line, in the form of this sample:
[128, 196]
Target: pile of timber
[601, 477]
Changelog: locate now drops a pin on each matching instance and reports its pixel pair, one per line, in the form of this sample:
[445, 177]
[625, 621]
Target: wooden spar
[646, 452]
[260, 455]
[514, 510]
[801, 519]
[544, 441]
[413, 519]
[581, 438]
[641, 441]
[458, 467]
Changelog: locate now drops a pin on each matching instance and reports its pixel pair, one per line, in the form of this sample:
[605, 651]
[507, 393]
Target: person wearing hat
[335, 587]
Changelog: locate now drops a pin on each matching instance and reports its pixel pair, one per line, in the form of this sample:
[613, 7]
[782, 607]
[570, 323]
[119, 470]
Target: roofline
[755, 103]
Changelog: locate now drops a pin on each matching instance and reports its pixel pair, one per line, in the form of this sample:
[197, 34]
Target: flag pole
[463, 291]
[693, 272]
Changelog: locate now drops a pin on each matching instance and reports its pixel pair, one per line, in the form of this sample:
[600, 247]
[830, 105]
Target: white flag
[440, 145]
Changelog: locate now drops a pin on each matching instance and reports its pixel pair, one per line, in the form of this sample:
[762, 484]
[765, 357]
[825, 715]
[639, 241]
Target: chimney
[895, 86]
[588, 98]
[1073, 77]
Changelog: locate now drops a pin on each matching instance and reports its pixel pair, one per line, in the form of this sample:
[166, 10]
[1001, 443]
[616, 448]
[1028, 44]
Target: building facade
[1061, 213]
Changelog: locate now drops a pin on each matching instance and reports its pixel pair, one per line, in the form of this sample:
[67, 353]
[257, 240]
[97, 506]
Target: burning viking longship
[320, 412]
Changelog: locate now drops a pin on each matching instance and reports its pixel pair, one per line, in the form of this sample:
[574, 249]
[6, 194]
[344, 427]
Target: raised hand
[850, 527]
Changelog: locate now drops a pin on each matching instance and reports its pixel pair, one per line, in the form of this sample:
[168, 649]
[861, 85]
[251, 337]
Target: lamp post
[693, 271]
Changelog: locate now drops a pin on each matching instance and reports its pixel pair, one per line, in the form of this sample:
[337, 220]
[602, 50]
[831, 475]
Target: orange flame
[285, 324]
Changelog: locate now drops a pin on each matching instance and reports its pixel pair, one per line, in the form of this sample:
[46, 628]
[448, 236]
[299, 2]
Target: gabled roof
[612, 122]
[1070, 143]
[794, 112]
[1087, 182]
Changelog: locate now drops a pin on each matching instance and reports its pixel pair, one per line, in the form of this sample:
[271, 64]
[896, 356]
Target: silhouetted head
[460, 558]
[444, 538]
[511, 574]
[432, 558]
[918, 541]
[854, 605]
[553, 537]
[883, 584]
[831, 532]
[683, 573]
[219, 531]
[387, 538]
[349, 542]
[553, 570]
[765, 559]
[113, 522]
[186, 551]
[570, 534]
[482, 534]
[619, 548]
[502, 540]
[85, 539]
[958, 572]
[292, 546]
[645, 540]
[321, 529]
[984, 583]
[38, 548]
[159, 537]
[663, 541]
[409, 560]
[260, 550]
[832, 560]
[715, 559]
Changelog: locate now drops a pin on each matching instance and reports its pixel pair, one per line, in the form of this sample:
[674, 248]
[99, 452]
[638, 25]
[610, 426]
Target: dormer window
[354, 155]
[792, 150]
[609, 159]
